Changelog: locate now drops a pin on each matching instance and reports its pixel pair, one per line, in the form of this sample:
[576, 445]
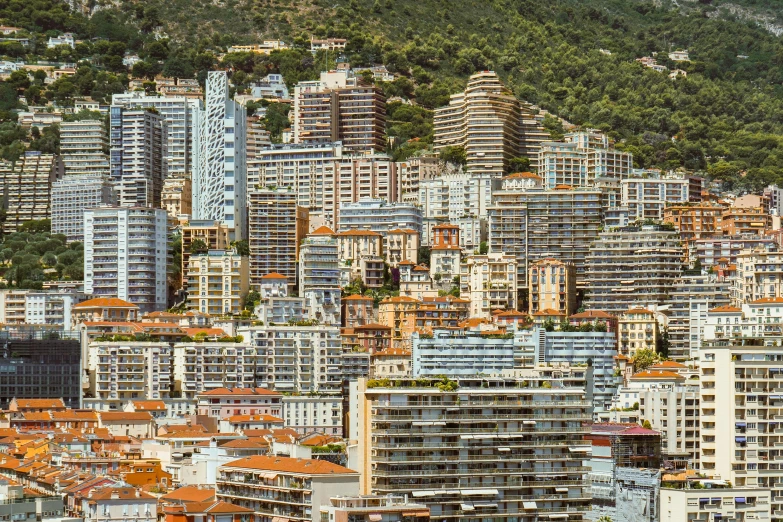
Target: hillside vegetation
[725, 118]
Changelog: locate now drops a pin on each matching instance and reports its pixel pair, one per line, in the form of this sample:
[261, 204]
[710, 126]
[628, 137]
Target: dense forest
[573, 58]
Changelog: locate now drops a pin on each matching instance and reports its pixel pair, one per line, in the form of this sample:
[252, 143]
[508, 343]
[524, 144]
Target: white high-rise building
[125, 254]
[177, 111]
[84, 146]
[319, 276]
[219, 167]
[138, 148]
[72, 195]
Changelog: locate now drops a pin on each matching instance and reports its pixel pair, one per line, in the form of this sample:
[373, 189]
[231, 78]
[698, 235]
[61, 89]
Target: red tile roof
[104, 302]
[289, 465]
[190, 494]
[114, 416]
[274, 275]
[322, 231]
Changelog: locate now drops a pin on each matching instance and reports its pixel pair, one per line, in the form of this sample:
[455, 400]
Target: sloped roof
[190, 494]
[113, 416]
[657, 374]
[289, 465]
[726, 310]
[40, 403]
[274, 275]
[322, 231]
[590, 314]
[102, 302]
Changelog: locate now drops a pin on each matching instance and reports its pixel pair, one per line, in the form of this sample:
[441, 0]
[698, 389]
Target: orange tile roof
[445, 226]
[249, 443]
[102, 302]
[40, 403]
[274, 275]
[359, 232]
[725, 309]
[564, 187]
[357, 297]
[319, 439]
[193, 434]
[592, 313]
[113, 416]
[289, 465]
[208, 507]
[149, 405]
[657, 374]
[400, 299]
[511, 313]
[407, 262]
[190, 494]
[322, 231]
[523, 175]
[402, 231]
[764, 300]
[639, 311]
[548, 311]
[668, 364]
[80, 415]
[37, 416]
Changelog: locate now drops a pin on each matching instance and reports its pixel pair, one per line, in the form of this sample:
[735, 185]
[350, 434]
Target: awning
[484, 505]
[375, 517]
[558, 515]
[466, 507]
[580, 449]
[529, 422]
[740, 424]
[503, 449]
[561, 490]
[424, 493]
[741, 500]
[416, 514]
[279, 519]
[463, 437]
[422, 423]
[270, 476]
[702, 500]
[488, 492]
[450, 492]
[529, 505]
[714, 500]
[438, 423]
[740, 439]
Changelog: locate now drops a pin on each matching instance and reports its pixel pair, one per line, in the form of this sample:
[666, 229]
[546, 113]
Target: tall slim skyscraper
[219, 158]
[138, 149]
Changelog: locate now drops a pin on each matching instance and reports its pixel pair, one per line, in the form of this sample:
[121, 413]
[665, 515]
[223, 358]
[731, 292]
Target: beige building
[176, 196]
[401, 245]
[446, 254]
[581, 159]
[719, 502]
[214, 234]
[118, 504]
[416, 282]
[27, 187]
[552, 285]
[282, 488]
[399, 314]
[638, 331]
[413, 171]
[361, 254]
[390, 363]
[486, 121]
[418, 439]
[759, 275]
[490, 282]
[84, 147]
[217, 281]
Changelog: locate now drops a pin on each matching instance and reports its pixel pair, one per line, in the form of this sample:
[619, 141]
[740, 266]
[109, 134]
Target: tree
[454, 154]
[645, 358]
[423, 255]
[483, 248]
[242, 247]
[198, 246]
[250, 300]
[549, 325]
[646, 425]
[519, 164]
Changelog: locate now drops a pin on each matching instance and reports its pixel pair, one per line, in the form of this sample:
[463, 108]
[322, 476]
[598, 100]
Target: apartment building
[200, 367]
[708, 252]
[398, 313]
[752, 220]
[38, 307]
[320, 413]
[218, 281]
[667, 397]
[115, 504]
[632, 265]
[552, 286]
[219, 171]
[446, 253]
[319, 276]
[455, 353]
[340, 108]
[361, 253]
[277, 227]
[534, 224]
[694, 220]
[74, 193]
[415, 170]
[690, 299]
[26, 188]
[84, 147]
[646, 197]
[138, 139]
[283, 487]
[125, 255]
[226, 402]
[297, 358]
[721, 502]
[422, 440]
[213, 234]
[595, 349]
[485, 120]
[740, 440]
[365, 508]
[380, 216]
[490, 283]
[401, 245]
[123, 371]
[581, 159]
[177, 112]
[638, 331]
[176, 196]
[759, 275]
[357, 310]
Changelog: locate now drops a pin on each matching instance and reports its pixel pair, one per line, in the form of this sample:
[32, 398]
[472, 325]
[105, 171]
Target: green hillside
[726, 117]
